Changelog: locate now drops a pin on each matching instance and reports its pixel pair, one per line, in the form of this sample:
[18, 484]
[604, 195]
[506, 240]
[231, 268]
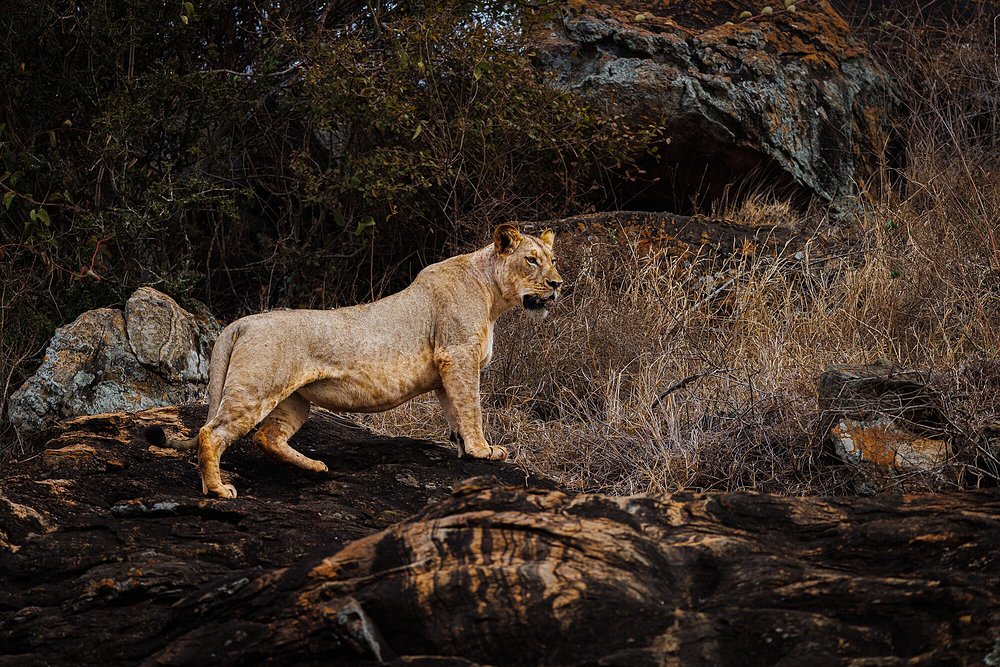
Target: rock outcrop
[112, 557]
[671, 236]
[786, 101]
[154, 353]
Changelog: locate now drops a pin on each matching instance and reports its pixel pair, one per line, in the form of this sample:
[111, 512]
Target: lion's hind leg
[280, 425]
[238, 412]
[230, 423]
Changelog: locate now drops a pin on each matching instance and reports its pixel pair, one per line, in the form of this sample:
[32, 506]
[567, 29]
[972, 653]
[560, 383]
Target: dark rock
[102, 534]
[515, 577]
[686, 236]
[132, 566]
[154, 354]
[886, 419]
[876, 390]
[790, 102]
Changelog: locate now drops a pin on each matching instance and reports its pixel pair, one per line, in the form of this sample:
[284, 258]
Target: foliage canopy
[263, 153]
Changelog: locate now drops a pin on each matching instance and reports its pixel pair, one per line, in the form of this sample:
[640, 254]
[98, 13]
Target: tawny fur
[435, 335]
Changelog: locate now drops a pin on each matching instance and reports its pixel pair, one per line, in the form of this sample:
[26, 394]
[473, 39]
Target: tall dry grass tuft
[736, 348]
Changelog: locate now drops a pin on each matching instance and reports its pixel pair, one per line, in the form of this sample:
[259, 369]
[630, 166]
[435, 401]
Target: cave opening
[695, 174]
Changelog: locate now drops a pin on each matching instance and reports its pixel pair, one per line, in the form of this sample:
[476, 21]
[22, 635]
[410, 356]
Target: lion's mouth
[535, 302]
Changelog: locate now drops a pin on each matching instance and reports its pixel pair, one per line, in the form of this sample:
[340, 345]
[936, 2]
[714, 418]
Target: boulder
[882, 442]
[788, 101]
[670, 236]
[165, 337]
[154, 353]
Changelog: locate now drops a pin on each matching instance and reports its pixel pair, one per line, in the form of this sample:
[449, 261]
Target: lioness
[437, 334]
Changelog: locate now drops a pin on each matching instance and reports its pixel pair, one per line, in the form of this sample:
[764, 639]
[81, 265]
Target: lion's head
[526, 267]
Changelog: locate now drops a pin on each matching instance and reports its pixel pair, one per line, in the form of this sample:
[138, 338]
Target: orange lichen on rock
[886, 444]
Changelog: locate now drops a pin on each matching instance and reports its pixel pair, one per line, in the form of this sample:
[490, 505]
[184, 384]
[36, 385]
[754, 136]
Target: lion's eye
[532, 261]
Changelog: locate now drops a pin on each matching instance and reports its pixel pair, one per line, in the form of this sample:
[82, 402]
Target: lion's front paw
[485, 451]
[223, 491]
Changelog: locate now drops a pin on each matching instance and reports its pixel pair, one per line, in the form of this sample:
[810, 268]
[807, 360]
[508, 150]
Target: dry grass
[919, 286]
[574, 396]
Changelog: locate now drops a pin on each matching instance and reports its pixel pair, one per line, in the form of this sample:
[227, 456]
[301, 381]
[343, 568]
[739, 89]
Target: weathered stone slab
[131, 565]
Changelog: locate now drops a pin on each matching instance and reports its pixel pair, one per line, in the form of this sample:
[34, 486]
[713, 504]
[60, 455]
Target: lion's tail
[155, 435]
[217, 370]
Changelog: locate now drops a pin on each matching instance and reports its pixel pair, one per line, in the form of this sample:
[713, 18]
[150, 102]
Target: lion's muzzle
[535, 302]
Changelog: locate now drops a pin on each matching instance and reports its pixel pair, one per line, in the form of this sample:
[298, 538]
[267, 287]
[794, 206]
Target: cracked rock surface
[109, 554]
[112, 557]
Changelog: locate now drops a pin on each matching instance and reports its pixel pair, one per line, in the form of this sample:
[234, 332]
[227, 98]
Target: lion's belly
[373, 388]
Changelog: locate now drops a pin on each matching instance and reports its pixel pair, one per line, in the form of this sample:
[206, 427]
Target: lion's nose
[554, 284]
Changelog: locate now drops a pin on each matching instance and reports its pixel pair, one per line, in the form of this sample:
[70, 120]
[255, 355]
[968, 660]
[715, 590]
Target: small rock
[885, 416]
[883, 443]
[75, 459]
[167, 452]
[136, 509]
[408, 479]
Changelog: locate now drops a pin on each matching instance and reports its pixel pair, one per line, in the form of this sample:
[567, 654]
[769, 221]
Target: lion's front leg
[459, 396]
[449, 415]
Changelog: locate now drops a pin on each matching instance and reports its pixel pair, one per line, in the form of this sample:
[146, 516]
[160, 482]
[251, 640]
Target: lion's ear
[506, 238]
[547, 237]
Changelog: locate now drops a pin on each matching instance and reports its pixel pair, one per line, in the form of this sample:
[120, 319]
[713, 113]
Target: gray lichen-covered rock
[155, 353]
[789, 100]
[166, 337]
